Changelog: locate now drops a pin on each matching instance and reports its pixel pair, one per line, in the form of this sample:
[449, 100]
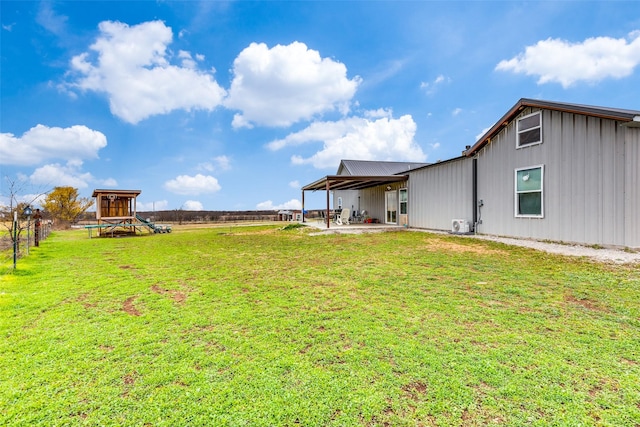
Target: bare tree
[179, 214]
[10, 207]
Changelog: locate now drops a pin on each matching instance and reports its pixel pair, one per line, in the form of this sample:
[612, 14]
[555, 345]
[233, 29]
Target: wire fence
[28, 237]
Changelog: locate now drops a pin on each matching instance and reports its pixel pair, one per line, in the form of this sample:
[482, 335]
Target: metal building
[561, 172]
[545, 170]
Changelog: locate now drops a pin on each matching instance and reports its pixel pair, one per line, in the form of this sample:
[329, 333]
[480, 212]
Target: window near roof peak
[529, 130]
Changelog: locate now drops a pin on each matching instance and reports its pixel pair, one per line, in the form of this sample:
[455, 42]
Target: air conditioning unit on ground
[459, 226]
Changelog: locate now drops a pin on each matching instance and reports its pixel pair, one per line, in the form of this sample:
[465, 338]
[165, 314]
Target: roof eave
[635, 123]
[112, 191]
[628, 117]
[352, 182]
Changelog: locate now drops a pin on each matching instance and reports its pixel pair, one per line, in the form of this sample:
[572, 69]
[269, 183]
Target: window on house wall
[403, 201]
[529, 130]
[529, 192]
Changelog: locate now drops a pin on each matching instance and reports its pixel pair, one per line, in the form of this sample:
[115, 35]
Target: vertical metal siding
[373, 202]
[632, 187]
[349, 198]
[590, 166]
[440, 193]
[371, 199]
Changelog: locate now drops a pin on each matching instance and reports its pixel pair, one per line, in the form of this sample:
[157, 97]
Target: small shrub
[294, 226]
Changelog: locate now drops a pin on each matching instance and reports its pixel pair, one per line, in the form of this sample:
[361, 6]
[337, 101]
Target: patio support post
[328, 213]
[303, 206]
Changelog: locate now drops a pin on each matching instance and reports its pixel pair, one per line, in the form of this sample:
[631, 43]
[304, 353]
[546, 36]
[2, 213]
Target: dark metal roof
[628, 117]
[441, 162]
[130, 193]
[376, 168]
[352, 182]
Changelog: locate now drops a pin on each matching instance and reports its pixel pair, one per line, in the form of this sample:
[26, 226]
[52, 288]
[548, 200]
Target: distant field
[260, 326]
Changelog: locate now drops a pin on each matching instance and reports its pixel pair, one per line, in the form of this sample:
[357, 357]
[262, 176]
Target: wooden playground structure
[117, 215]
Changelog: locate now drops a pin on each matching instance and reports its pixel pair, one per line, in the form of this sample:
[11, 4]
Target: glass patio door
[391, 207]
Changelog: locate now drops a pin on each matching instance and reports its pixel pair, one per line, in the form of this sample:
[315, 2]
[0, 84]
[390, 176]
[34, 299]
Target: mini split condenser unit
[459, 226]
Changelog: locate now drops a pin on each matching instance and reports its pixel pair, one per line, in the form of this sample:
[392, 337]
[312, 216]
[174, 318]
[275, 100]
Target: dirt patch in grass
[305, 349]
[585, 303]
[130, 308]
[415, 389]
[129, 379]
[177, 296]
[82, 298]
[126, 267]
[446, 246]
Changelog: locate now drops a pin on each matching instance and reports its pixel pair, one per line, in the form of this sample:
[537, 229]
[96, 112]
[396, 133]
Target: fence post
[36, 231]
[15, 238]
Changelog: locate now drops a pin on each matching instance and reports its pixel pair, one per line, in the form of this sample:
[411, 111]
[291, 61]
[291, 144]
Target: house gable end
[626, 117]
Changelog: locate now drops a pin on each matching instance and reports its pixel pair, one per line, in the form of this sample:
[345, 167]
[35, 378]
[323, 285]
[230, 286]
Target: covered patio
[348, 182]
[352, 228]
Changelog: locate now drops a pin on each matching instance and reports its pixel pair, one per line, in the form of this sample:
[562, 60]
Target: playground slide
[156, 228]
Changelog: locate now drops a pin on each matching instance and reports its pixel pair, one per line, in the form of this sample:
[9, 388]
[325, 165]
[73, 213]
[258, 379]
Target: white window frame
[518, 131]
[391, 216]
[405, 203]
[516, 192]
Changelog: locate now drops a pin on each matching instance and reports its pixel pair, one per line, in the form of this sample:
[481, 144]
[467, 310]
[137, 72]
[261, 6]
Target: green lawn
[259, 326]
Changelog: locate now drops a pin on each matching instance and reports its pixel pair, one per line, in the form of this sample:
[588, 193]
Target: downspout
[474, 189]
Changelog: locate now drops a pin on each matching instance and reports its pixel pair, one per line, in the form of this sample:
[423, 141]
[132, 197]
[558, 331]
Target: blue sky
[236, 105]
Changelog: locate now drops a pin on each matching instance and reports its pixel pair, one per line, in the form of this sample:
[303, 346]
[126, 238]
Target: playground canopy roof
[123, 193]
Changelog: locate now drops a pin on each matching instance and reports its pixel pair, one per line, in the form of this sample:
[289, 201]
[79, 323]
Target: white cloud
[158, 205]
[107, 183]
[50, 20]
[205, 166]
[356, 138]
[456, 111]
[285, 84]
[431, 87]
[386, 70]
[221, 163]
[34, 200]
[133, 69]
[380, 112]
[187, 60]
[293, 204]
[192, 185]
[57, 175]
[593, 60]
[295, 184]
[192, 205]
[42, 143]
[482, 132]
[435, 145]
